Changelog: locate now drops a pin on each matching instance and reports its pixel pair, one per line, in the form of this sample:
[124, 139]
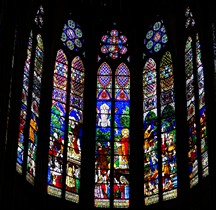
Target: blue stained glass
[58, 108]
[104, 105]
[75, 114]
[114, 44]
[156, 38]
[123, 50]
[61, 69]
[151, 119]
[122, 95]
[150, 77]
[72, 36]
[104, 38]
[114, 33]
[123, 38]
[166, 71]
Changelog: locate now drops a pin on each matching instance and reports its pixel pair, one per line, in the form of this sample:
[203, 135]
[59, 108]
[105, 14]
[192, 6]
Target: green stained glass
[149, 44]
[157, 47]
[63, 37]
[164, 38]
[71, 23]
[78, 43]
[70, 44]
[78, 32]
[156, 26]
[149, 34]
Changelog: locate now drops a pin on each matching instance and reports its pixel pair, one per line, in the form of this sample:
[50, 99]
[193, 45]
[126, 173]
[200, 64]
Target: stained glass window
[67, 116]
[195, 95]
[159, 124]
[29, 113]
[112, 143]
[156, 38]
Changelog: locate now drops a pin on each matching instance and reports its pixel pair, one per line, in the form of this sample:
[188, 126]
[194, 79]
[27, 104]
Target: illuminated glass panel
[196, 106]
[29, 113]
[39, 17]
[67, 117]
[57, 125]
[168, 131]
[156, 38]
[33, 136]
[150, 145]
[168, 128]
[190, 96]
[190, 22]
[112, 123]
[23, 111]
[72, 36]
[75, 123]
[202, 110]
[158, 110]
[114, 44]
[103, 136]
[121, 187]
[104, 133]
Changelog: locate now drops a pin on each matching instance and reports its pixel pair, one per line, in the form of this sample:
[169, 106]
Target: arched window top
[39, 17]
[61, 57]
[198, 50]
[114, 43]
[39, 53]
[77, 63]
[166, 59]
[122, 70]
[189, 39]
[104, 69]
[122, 81]
[72, 36]
[156, 37]
[77, 76]
[190, 22]
[39, 41]
[149, 79]
[150, 65]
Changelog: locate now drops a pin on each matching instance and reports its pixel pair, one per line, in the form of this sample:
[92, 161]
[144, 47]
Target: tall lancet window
[112, 122]
[159, 124]
[196, 108]
[30, 105]
[64, 156]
